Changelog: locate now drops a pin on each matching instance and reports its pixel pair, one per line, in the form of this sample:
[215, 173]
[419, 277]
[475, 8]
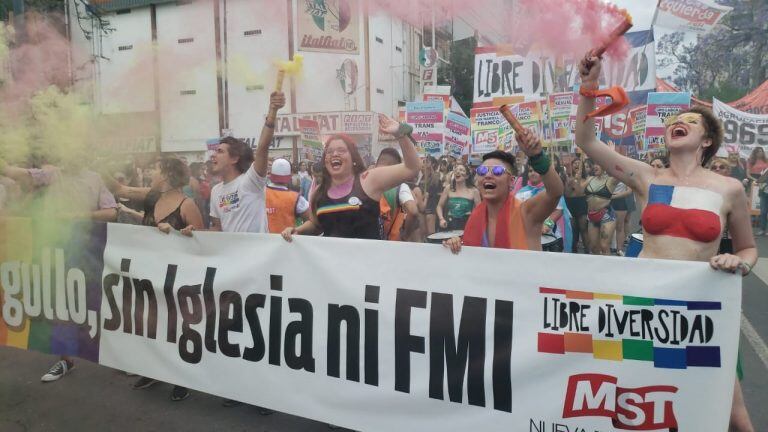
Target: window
[186, 40]
[379, 40]
[125, 47]
[256, 32]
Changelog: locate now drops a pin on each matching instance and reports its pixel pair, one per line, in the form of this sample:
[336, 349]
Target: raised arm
[544, 203]
[123, 191]
[380, 179]
[632, 172]
[261, 156]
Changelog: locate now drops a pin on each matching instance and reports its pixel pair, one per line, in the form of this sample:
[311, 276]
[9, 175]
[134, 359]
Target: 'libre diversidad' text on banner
[382, 336]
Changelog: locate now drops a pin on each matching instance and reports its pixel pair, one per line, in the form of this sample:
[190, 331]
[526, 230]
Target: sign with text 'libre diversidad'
[496, 341]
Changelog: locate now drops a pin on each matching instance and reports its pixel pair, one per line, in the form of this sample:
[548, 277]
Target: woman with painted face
[686, 206]
[346, 200]
[459, 199]
[601, 216]
[576, 201]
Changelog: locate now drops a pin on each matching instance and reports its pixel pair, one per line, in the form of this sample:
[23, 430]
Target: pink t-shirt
[757, 168]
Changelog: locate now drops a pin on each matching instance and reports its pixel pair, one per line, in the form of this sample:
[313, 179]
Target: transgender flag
[660, 107]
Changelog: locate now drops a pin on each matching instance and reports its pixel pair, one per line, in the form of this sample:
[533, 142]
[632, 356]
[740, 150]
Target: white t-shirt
[404, 194]
[240, 205]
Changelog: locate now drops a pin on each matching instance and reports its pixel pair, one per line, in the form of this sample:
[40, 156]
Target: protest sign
[660, 107]
[500, 73]
[697, 16]
[637, 120]
[427, 120]
[741, 128]
[456, 134]
[475, 346]
[485, 124]
[310, 139]
[560, 107]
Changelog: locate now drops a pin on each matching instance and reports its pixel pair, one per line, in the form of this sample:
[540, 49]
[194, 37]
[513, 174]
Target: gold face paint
[689, 118]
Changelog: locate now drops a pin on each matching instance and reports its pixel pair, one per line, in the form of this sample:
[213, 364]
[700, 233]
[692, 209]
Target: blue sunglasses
[497, 170]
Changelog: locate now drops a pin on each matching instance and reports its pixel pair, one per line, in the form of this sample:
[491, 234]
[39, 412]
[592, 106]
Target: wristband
[269, 125]
[403, 130]
[539, 163]
[745, 266]
[549, 223]
[588, 92]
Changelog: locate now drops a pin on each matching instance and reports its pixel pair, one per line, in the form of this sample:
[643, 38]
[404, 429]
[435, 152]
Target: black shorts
[619, 204]
[577, 206]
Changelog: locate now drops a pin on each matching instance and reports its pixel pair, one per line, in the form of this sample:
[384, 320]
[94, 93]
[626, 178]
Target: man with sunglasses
[501, 220]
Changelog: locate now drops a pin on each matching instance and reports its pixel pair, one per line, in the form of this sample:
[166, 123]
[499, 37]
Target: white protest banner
[495, 340]
[427, 119]
[456, 134]
[697, 16]
[741, 128]
[500, 73]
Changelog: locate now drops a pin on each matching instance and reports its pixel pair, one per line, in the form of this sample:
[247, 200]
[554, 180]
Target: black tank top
[355, 215]
[174, 219]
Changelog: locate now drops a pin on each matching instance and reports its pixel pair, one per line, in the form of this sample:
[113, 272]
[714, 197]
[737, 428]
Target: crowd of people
[583, 203]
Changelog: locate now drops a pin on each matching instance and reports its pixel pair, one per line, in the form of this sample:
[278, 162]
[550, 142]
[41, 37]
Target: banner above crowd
[697, 16]
[475, 346]
[500, 73]
[741, 128]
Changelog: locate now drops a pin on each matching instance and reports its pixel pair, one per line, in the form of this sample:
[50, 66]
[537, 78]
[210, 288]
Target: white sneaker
[58, 370]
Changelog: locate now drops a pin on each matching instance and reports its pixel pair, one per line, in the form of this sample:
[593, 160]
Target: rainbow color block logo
[671, 334]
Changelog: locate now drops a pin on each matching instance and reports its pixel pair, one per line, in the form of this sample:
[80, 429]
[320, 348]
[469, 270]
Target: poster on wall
[330, 26]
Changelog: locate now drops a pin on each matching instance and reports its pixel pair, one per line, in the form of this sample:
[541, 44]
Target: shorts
[599, 217]
[619, 204]
[577, 206]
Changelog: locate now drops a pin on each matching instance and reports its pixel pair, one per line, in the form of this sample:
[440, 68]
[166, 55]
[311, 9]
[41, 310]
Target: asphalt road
[95, 398]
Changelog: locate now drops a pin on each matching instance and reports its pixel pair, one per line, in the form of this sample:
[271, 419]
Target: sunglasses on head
[497, 170]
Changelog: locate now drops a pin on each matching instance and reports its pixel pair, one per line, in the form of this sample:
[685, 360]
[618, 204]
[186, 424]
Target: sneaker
[143, 383]
[58, 370]
[179, 393]
[229, 403]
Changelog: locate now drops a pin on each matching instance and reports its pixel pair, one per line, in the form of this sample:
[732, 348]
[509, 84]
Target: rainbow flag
[23, 240]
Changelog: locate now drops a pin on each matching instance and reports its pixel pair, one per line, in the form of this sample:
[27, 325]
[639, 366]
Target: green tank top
[459, 207]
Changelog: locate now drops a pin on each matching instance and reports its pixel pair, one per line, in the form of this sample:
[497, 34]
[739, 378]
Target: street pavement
[96, 398]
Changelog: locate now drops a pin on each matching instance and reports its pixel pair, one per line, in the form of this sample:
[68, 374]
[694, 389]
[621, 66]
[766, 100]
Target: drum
[439, 237]
[635, 245]
[548, 243]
